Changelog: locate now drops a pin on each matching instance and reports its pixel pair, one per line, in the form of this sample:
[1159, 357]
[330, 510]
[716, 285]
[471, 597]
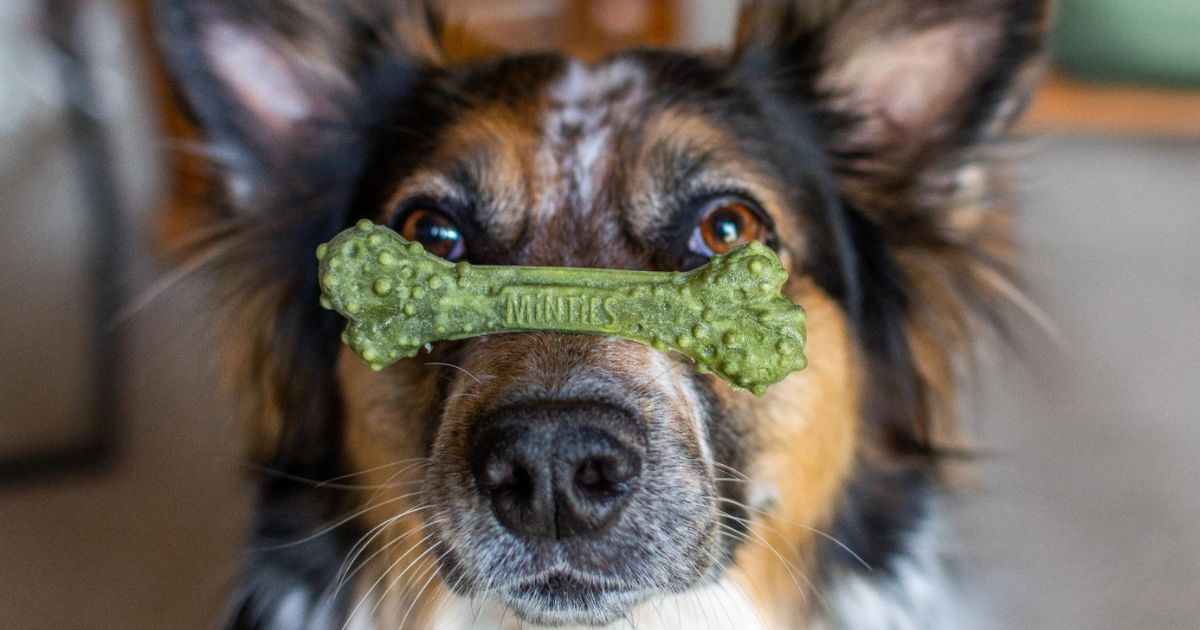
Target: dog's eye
[727, 223]
[435, 231]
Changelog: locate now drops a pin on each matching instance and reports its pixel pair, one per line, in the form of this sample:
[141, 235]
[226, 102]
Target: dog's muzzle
[570, 479]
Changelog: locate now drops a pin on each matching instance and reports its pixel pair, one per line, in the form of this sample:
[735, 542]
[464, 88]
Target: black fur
[287, 560]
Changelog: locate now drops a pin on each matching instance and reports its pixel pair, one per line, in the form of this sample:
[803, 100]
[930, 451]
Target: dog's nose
[557, 469]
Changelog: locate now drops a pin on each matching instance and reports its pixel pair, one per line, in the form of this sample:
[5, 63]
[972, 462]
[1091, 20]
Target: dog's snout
[557, 469]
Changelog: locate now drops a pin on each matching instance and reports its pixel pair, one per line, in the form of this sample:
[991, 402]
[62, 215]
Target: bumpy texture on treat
[728, 315]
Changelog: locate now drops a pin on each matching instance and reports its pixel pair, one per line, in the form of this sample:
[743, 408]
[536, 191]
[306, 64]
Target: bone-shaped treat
[728, 315]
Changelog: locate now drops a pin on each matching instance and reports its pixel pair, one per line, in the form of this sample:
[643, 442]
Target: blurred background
[121, 498]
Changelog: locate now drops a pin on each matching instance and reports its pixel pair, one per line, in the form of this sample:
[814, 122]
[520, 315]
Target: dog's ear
[274, 85]
[907, 97]
[903, 90]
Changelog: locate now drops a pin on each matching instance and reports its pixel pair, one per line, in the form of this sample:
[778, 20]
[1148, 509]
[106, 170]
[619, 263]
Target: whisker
[746, 479]
[412, 462]
[336, 524]
[720, 565]
[396, 581]
[810, 528]
[382, 576]
[388, 482]
[433, 573]
[488, 591]
[214, 242]
[654, 603]
[787, 565]
[460, 395]
[449, 593]
[345, 573]
[457, 367]
[332, 482]
[733, 471]
[725, 584]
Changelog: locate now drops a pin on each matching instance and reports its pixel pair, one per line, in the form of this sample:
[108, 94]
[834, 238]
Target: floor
[1087, 505]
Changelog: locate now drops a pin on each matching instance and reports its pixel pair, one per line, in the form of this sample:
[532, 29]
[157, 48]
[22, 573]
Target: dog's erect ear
[273, 84]
[906, 97]
[900, 87]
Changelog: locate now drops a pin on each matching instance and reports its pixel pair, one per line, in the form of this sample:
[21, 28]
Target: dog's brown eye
[728, 224]
[435, 231]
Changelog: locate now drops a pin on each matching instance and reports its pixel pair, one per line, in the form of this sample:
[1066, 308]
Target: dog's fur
[864, 129]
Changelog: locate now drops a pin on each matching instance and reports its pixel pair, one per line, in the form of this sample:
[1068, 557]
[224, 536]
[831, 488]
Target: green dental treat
[728, 315]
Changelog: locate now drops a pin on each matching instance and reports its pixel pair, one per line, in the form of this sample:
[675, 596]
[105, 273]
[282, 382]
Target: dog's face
[575, 476]
[569, 477]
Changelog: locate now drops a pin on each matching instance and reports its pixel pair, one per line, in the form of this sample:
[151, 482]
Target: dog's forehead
[585, 109]
[584, 97]
[562, 160]
[534, 149]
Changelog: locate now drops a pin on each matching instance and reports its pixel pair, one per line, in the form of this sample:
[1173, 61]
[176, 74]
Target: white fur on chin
[917, 594]
[720, 606]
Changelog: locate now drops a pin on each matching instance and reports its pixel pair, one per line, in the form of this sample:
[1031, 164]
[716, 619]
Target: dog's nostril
[588, 474]
[556, 470]
[604, 476]
[501, 474]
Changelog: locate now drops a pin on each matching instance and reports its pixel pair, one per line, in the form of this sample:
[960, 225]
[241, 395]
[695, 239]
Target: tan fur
[500, 139]
[384, 418]
[674, 131]
[251, 367]
[807, 432]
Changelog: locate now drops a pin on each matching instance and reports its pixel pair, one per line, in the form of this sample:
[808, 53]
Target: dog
[546, 480]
